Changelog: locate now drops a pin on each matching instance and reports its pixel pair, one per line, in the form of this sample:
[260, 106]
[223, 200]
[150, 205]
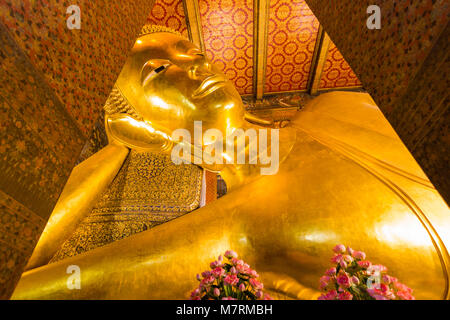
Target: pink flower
[254, 274]
[198, 277]
[355, 280]
[228, 298]
[218, 272]
[401, 287]
[381, 293]
[379, 268]
[243, 269]
[324, 280]
[267, 297]
[256, 284]
[215, 264]
[207, 281]
[345, 296]
[220, 259]
[336, 258]
[233, 270]
[259, 294]
[347, 258]
[376, 294]
[343, 280]
[237, 261]
[340, 248]
[364, 264]
[403, 295]
[206, 274]
[331, 295]
[231, 279]
[242, 287]
[342, 260]
[350, 251]
[216, 292]
[195, 293]
[359, 255]
[386, 279]
[230, 254]
[331, 272]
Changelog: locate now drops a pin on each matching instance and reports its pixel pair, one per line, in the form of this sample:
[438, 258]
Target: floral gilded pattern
[291, 40]
[336, 71]
[169, 13]
[228, 35]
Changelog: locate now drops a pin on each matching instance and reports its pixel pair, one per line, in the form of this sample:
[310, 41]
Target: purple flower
[340, 248]
[331, 272]
[343, 280]
[359, 255]
[355, 280]
[230, 254]
[231, 279]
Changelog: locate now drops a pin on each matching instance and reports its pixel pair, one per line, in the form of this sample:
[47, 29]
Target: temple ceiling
[265, 47]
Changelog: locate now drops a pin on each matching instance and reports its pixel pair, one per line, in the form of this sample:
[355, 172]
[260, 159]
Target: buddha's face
[171, 84]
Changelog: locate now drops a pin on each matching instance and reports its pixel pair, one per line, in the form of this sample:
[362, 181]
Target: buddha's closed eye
[151, 71]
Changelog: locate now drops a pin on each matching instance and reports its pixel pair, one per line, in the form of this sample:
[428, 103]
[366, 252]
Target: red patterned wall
[227, 27]
[228, 35]
[336, 71]
[292, 37]
[169, 13]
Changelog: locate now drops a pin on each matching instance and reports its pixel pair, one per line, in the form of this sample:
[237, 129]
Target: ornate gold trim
[193, 22]
[318, 61]
[260, 35]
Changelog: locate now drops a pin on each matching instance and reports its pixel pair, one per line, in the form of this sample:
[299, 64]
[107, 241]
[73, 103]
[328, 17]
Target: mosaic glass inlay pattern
[336, 71]
[291, 40]
[228, 35]
[169, 13]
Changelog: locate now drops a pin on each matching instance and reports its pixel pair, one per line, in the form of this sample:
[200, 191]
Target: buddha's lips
[209, 85]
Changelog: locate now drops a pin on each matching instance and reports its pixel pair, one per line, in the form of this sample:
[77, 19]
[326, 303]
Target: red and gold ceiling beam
[318, 61]
[194, 24]
[260, 35]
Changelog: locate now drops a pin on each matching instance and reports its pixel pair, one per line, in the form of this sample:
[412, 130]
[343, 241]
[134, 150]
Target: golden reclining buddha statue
[344, 177]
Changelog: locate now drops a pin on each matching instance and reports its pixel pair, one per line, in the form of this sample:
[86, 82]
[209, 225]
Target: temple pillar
[54, 81]
[402, 65]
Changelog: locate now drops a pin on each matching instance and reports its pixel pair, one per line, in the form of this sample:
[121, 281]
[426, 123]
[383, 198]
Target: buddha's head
[169, 83]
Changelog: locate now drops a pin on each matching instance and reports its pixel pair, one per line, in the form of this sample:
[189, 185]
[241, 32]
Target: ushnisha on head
[167, 83]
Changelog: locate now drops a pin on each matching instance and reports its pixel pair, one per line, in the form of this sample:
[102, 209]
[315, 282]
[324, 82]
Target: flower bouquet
[231, 280]
[355, 278]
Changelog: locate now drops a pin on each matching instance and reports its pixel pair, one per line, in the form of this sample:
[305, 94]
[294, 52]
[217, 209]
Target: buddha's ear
[135, 134]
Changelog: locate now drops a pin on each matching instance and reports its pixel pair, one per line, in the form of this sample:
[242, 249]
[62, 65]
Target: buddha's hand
[141, 135]
[136, 134]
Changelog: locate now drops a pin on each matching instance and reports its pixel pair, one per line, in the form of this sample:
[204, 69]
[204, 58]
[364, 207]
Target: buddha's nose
[200, 68]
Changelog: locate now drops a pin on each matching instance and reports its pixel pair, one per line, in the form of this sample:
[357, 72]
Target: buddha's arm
[161, 263]
[85, 185]
[155, 264]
